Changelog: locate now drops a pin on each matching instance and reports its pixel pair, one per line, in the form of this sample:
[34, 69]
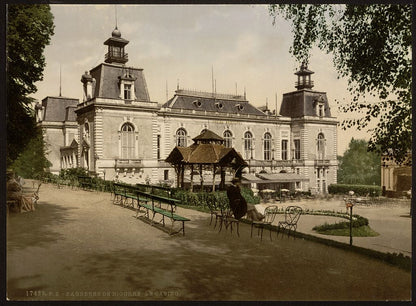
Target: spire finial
[115, 7]
[60, 81]
[212, 78]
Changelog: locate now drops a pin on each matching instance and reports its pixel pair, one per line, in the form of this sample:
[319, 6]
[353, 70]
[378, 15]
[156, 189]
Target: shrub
[249, 196]
[357, 221]
[361, 190]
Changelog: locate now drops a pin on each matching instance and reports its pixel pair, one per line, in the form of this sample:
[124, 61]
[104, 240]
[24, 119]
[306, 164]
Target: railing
[304, 84]
[205, 94]
[321, 162]
[275, 163]
[117, 57]
[128, 163]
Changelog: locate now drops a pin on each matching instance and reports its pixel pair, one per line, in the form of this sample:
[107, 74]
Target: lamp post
[349, 205]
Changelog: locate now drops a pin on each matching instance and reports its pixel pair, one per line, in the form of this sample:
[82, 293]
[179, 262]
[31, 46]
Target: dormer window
[320, 109]
[239, 107]
[219, 105]
[197, 103]
[319, 104]
[127, 91]
[126, 82]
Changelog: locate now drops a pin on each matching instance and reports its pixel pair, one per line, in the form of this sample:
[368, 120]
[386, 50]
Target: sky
[189, 45]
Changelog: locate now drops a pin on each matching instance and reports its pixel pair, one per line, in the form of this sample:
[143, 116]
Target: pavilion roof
[206, 153]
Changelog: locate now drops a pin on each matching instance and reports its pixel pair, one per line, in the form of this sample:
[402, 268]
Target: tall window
[297, 148]
[284, 149]
[181, 137]
[321, 146]
[228, 139]
[127, 91]
[267, 146]
[158, 146]
[248, 145]
[127, 141]
[86, 130]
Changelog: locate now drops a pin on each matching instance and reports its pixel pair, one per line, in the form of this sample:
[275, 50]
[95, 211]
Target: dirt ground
[77, 245]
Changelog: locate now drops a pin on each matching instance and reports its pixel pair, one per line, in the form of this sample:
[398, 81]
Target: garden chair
[292, 215]
[226, 217]
[269, 216]
[214, 211]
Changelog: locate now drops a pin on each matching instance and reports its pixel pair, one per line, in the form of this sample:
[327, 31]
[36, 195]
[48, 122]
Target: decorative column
[213, 178]
[192, 178]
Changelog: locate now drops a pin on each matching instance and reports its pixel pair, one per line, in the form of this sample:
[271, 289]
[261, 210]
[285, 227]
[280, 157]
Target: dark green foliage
[249, 196]
[32, 162]
[201, 199]
[358, 165]
[72, 173]
[218, 198]
[29, 28]
[371, 47]
[357, 221]
[362, 190]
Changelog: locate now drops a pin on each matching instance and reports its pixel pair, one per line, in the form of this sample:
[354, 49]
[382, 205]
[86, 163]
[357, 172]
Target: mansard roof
[107, 81]
[303, 103]
[59, 109]
[212, 102]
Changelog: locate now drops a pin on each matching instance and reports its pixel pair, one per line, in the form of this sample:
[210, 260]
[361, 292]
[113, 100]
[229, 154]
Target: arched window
[228, 139]
[267, 146]
[321, 146]
[127, 141]
[181, 137]
[248, 145]
[86, 130]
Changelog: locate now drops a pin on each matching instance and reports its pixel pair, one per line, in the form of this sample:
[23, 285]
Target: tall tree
[32, 162]
[371, 46]
[358, 166]
[29, 29]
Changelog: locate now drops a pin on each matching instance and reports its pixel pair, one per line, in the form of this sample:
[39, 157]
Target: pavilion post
[178, 171]
[222, 183]
[192, 177]
[213, 177]
[202, 178]
[182, 175]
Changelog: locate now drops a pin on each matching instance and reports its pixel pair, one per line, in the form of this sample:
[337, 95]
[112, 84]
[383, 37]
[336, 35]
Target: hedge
[361, 190]
[357, 221]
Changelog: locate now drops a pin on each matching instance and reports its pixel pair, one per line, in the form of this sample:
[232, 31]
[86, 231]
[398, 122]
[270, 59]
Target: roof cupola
[304, 77]
[116, 44]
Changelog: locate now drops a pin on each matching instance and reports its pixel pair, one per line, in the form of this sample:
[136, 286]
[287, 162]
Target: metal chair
[226, 217]
[292, 215]
[269, 216]
[214, 212]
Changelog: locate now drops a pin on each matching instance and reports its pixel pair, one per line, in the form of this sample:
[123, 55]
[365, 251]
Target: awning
[274, 178]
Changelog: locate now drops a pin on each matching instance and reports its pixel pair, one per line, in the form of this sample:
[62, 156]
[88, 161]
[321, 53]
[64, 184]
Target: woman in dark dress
[238, 204]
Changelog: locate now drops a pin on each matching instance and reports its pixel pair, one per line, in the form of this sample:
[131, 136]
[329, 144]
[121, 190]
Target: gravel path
[77, 245]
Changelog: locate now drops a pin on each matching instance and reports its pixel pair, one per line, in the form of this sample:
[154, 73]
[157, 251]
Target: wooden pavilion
[207, 153]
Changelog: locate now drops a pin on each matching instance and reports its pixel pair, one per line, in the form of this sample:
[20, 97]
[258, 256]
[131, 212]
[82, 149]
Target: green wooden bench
[157, 190]
[125, 195]
[151, 208]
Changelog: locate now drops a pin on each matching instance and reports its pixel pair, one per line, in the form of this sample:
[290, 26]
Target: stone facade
[122, 134]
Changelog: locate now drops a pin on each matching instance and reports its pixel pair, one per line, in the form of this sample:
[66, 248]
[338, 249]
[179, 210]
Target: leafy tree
[358, 165]
[371, 46]
[29, 28]
[32, 162]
